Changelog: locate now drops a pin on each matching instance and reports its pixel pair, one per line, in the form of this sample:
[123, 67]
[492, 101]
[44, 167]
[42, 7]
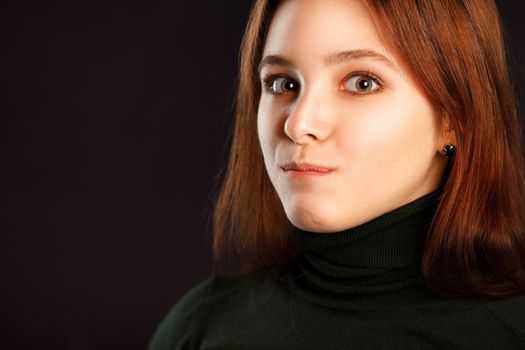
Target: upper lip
[305, 167]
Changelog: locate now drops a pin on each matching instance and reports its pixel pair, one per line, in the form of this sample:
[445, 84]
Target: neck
[374, 263]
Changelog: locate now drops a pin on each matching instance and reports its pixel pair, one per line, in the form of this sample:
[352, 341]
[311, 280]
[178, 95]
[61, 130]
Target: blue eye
[278, 84]
[362, 83]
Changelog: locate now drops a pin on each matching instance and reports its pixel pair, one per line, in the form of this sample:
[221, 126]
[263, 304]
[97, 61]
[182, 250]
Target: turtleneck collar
[373, 264]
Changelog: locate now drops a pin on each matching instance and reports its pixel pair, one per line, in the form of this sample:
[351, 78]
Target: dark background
[115, 117]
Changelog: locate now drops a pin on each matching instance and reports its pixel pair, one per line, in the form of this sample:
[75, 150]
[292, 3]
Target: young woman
[373, 198]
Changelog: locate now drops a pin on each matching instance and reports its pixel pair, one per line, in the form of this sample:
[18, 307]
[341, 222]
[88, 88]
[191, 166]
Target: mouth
[305, 170]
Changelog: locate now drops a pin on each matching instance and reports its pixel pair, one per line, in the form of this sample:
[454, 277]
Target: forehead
[309, 29]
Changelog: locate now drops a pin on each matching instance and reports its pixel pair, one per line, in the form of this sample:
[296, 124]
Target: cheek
[389, 129]
[267, 129]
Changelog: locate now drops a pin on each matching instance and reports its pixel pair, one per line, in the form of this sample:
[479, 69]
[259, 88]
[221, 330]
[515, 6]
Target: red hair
[455, 51]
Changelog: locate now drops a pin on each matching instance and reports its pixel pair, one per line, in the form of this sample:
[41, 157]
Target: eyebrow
[330, 59]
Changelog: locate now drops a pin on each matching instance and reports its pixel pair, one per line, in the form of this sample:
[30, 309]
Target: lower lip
[296, 173]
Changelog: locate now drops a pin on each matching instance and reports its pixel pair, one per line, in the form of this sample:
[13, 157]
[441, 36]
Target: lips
[305, 167]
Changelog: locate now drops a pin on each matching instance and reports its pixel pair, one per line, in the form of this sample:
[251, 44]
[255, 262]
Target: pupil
[288, 85]
[363, 84]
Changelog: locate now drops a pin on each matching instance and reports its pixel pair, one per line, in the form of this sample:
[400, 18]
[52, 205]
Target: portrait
[373, 193]
[292, 174]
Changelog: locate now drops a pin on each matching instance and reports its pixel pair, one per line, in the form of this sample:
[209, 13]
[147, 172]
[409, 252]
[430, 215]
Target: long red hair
[455, 50]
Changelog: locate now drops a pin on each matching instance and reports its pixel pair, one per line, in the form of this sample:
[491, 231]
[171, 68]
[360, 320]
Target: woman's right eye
[278, 84]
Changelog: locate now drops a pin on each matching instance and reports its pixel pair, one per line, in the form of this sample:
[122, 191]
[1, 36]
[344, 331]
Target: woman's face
[338, 108]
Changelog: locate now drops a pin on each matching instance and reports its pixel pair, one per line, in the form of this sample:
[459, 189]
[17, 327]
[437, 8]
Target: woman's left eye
[362, 83]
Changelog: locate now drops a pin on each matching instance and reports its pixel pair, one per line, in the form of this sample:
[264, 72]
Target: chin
[312, 219]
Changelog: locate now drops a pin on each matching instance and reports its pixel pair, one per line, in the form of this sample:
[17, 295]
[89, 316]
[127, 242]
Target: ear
[447, 133]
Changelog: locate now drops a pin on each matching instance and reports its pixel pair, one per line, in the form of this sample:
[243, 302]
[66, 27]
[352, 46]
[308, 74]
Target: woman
[373, 193]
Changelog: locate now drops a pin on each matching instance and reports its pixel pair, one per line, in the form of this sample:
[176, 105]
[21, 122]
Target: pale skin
[379, 136]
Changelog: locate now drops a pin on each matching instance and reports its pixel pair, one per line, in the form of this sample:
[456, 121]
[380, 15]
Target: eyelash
[269, 80]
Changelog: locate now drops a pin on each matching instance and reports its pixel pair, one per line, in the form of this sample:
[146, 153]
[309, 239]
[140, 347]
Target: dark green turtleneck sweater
[356, 289]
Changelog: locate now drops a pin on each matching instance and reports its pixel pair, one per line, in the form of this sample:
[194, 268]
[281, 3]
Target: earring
[449, 150]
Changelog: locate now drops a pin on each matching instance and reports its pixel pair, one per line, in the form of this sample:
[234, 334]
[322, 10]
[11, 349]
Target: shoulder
[178, 328]
[174, 328]
[510, 313]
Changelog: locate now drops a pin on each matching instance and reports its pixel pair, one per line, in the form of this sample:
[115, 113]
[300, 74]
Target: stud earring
[449, 150]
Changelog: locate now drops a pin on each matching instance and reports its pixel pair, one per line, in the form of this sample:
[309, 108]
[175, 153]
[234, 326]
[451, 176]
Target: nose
[309, 119]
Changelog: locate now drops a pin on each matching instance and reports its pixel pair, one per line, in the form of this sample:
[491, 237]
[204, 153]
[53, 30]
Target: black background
[115, 118]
